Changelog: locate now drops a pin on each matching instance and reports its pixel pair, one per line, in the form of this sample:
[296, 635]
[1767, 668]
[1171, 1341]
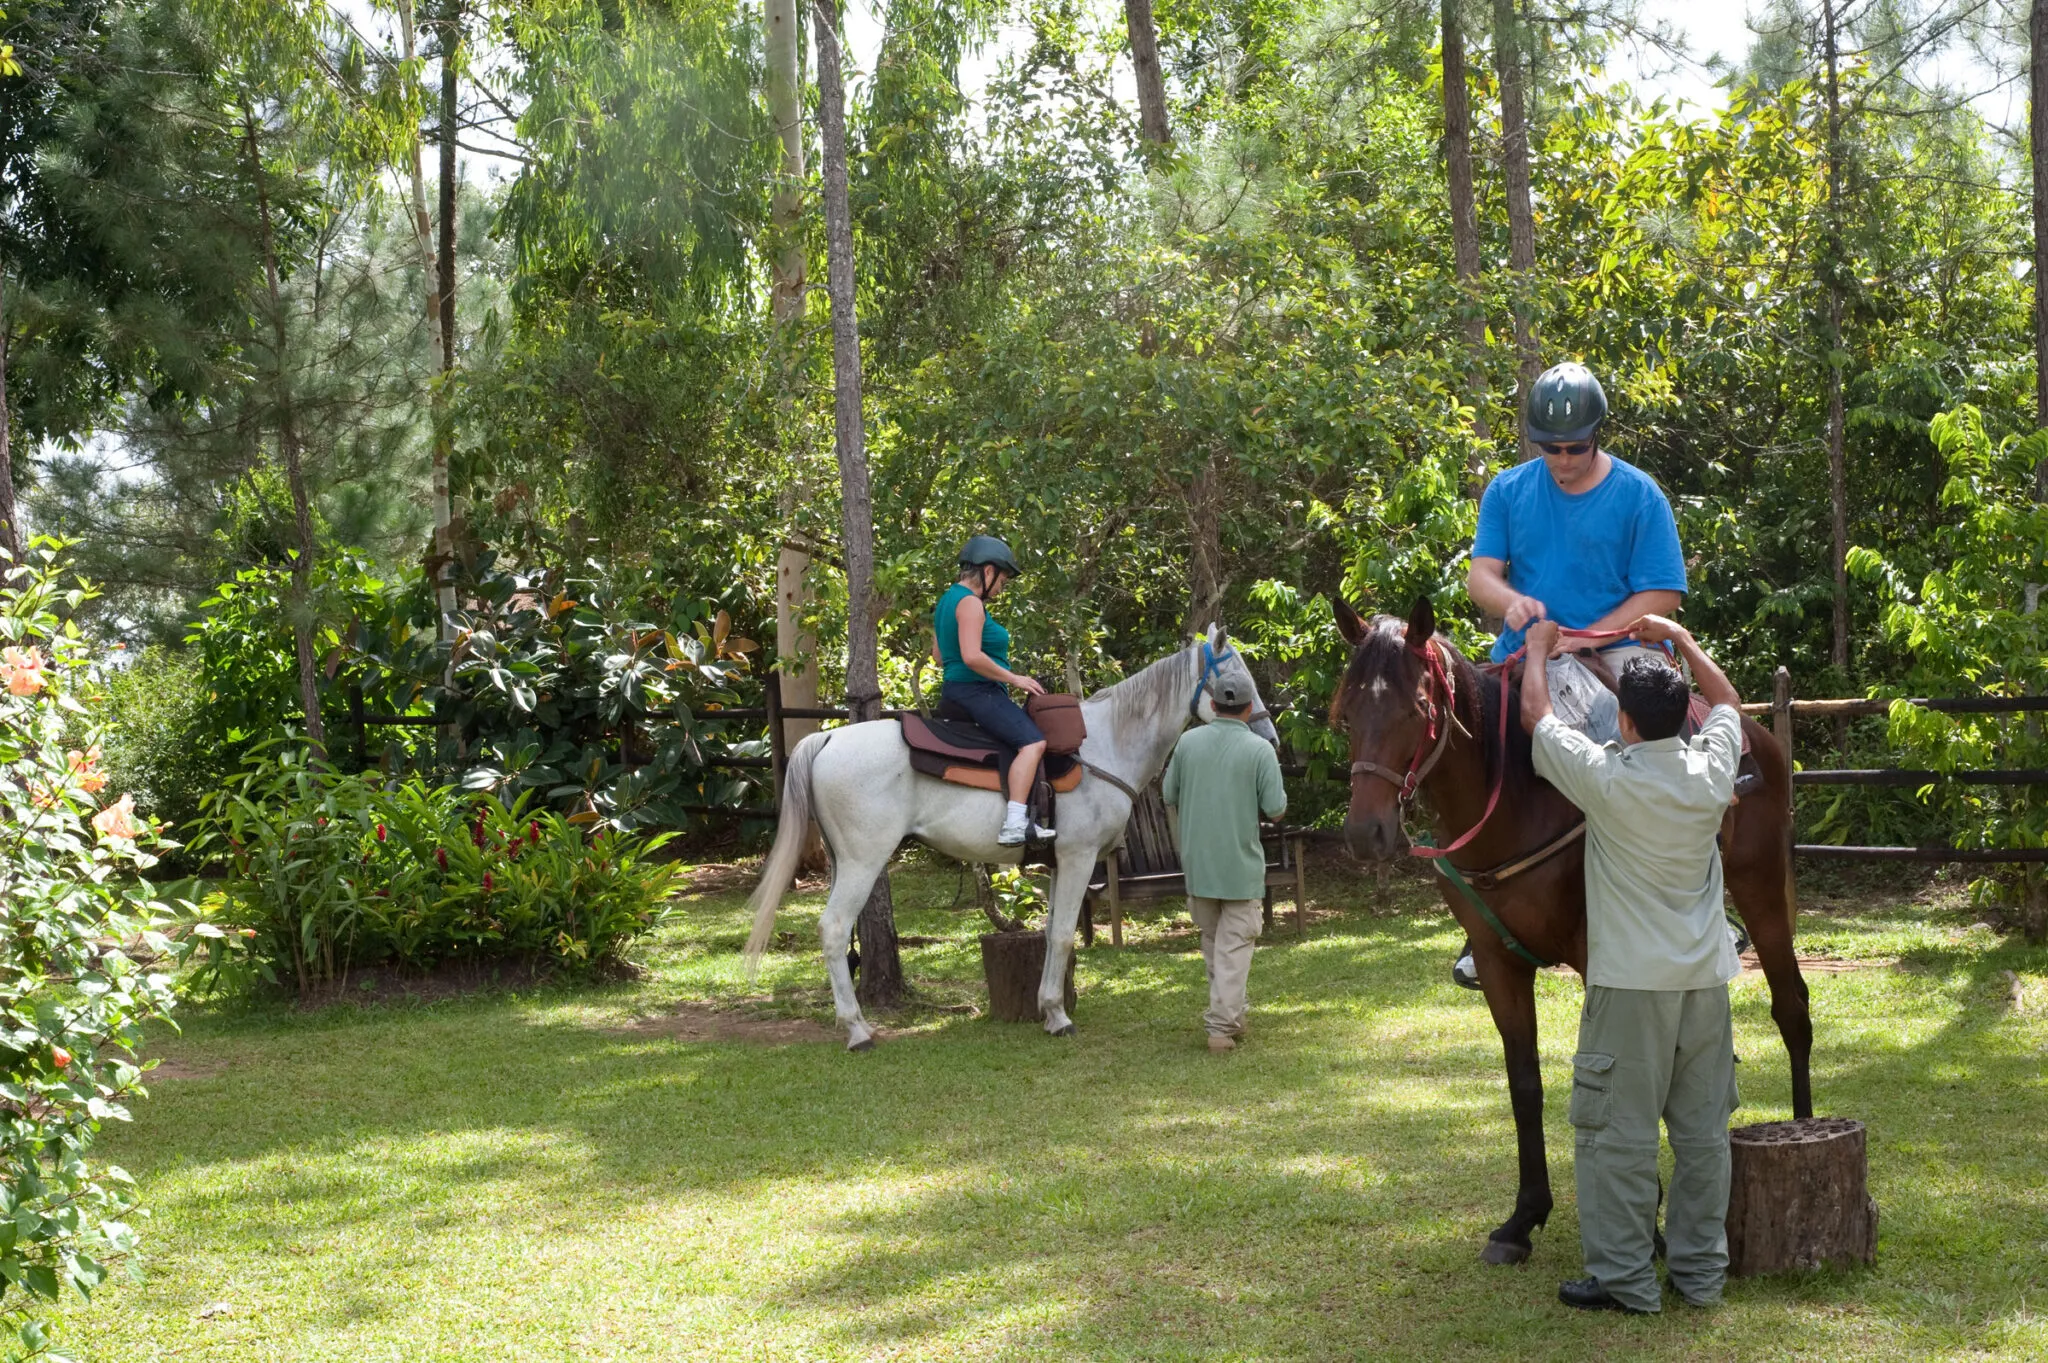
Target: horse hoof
[1499, 1252]
[866, 1044]
[1067, 1030]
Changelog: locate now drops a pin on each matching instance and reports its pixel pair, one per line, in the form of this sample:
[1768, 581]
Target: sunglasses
[1583, 447]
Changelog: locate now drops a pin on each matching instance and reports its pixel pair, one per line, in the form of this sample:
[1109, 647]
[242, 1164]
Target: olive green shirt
[1221, 779]
[1653, 869]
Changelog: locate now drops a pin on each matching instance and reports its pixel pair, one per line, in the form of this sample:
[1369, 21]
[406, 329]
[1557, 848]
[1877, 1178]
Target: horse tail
[790, 834]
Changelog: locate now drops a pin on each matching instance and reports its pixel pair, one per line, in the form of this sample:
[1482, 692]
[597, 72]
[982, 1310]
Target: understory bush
[87, 955]
[156, 746]
[340, 871]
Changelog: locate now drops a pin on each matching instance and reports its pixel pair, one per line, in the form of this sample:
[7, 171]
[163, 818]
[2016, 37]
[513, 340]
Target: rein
[1436, 736]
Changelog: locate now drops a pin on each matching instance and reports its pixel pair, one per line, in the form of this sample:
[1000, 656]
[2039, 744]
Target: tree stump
[1797, 1196]
[1013, 962]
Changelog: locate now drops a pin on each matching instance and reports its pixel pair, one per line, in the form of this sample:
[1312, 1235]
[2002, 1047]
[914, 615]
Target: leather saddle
[1749, 777]
[964, 753]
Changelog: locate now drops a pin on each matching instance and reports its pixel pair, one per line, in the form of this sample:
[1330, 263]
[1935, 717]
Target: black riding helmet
[988, 551]
[1566, 405]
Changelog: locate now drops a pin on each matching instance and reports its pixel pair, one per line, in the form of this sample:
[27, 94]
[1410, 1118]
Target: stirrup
[1040, 834]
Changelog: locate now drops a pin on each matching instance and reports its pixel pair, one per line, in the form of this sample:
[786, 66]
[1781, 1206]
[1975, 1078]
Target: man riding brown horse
[1422, 720]
[1579, 537]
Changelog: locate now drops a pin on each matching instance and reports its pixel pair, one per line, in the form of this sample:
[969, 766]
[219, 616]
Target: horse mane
[1382, 655]
[1144, 691]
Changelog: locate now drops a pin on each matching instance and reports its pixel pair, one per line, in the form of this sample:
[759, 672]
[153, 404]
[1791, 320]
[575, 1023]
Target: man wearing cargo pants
[1654, 1038]
[1221, 779]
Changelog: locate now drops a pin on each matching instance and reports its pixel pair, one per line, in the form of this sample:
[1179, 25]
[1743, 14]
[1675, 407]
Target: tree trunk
[789, 272]
[1013, 963]
[444, 290]
[1152, 125]
[2037, 140]
[1838, 468]
[1799, 1197]
[294, 464]
[881, 965]
[1206, 582]
[10, 525]
[1508, 65]
[441, 549]
[1465, 233]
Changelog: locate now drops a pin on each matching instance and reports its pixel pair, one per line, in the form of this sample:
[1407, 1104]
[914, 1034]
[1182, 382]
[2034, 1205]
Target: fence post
[777, 756]
[1781, 725]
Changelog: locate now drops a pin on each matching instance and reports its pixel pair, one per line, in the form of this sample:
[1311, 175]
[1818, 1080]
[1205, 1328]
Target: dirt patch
[1820, 965]
[722, 878]
[185, 1069]
[696, 1022]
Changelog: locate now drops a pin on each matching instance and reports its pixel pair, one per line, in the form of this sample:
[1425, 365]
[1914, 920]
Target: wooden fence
[1781, 708]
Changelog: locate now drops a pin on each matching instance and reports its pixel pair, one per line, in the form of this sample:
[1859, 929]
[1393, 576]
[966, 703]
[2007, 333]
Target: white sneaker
[1012, 834]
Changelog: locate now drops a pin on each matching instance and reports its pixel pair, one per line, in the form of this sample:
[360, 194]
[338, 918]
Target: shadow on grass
[1322, 1193]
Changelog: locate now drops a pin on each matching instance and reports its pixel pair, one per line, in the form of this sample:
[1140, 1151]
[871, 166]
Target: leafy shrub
[156, 745]
[336, 871]
[86, 954]
[1975, 626]
[598, 691]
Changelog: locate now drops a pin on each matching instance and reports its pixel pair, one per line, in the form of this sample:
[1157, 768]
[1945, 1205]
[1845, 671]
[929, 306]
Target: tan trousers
[1229, 929]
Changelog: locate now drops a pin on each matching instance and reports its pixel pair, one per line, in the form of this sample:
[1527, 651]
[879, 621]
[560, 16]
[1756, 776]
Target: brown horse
[1391, 706]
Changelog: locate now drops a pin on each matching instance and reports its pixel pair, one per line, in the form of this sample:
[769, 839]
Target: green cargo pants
[1646, 1053]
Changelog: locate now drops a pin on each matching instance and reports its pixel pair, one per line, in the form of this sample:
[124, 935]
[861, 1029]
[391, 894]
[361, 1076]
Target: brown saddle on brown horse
[968, 755]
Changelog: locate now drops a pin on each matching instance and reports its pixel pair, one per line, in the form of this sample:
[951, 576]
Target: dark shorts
[988, 704]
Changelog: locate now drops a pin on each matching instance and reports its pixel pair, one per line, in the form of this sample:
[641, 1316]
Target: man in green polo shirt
[1655, 1037]
[1221, 779]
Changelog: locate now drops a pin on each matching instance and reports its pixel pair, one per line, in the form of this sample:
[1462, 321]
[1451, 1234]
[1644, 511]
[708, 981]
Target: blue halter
[1212, 668]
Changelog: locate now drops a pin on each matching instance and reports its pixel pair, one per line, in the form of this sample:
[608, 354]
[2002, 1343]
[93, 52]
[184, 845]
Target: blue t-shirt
[1581, 554]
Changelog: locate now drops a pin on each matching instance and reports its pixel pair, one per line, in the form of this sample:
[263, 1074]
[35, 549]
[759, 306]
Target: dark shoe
[1464, 973]
[1588, 1295]
[1738, 937]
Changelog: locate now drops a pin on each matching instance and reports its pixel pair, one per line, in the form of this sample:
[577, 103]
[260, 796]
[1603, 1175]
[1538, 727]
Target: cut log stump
[1012, 962]
[1798, 1198]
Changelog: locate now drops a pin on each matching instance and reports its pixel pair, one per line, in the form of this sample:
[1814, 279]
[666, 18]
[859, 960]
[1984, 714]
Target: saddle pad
[1696, 712]
[950, 738]
[983, 777]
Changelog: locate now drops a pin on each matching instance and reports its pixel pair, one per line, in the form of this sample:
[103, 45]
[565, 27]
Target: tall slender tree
[881, 963]
[796, 647]
[2037, 144]
[1465, 228]
[1144, 38]
[450, 35]
[442, 548]
[1510, 65]
[10, 531]
[1833, 265]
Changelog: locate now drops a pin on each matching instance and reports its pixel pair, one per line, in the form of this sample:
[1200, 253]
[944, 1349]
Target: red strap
[1500, 777]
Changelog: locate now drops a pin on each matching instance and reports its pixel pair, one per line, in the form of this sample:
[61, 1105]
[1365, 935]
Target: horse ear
[1421, 623]
[1348, 623]
[1219, 637]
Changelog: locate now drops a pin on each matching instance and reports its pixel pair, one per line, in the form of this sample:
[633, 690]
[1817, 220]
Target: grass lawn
[621, 1172]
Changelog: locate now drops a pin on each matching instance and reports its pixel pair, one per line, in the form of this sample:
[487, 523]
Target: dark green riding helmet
[987, 550]
[1566, 405]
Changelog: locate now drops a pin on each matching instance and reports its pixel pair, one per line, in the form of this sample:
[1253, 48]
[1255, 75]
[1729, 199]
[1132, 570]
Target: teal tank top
[995, 640]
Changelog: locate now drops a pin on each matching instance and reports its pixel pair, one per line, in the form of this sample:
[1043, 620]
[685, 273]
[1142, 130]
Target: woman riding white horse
[974, 652]
[858, 784]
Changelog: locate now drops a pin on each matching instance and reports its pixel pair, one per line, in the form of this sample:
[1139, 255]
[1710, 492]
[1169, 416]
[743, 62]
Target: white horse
[858, 784]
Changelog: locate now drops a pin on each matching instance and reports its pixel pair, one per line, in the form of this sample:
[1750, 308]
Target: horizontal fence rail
[1782, 708]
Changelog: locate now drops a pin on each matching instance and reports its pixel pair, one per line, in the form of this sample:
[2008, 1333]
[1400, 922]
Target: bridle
[1212, 668]
[1440, 719]
[1436, 733]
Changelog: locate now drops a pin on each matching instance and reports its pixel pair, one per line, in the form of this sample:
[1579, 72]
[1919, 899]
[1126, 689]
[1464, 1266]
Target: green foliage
[158, 745]
[87, 955]
[334, 872]
[1973, 627]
